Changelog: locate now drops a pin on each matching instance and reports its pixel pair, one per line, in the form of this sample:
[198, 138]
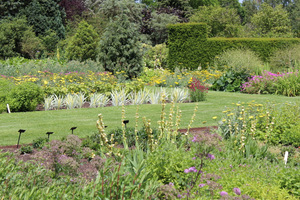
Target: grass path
[38, 123]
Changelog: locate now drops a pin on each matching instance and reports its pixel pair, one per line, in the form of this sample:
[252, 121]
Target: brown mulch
[198, 130]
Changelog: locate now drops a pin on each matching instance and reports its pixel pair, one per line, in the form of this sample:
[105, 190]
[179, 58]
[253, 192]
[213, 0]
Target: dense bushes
[25, 97]
[120, 47]
[190, 48]
[5, 87]
[83, 44]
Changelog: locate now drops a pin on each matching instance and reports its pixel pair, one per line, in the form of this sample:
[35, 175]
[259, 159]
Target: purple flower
[194, 139]
[210, 156]
[223, 193]
[194, 158]
[201, 185]
[191, 169]
[172, 184]
[237, 191]
[179, 196]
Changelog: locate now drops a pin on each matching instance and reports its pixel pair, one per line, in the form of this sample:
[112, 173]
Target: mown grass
[38, 123]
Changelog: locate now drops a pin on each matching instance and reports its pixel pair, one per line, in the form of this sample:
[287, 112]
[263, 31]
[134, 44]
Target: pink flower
[237, 191]
[223, 193]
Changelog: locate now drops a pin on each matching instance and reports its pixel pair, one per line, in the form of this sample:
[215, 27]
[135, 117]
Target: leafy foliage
[239, 60]
[5, 87]
[11, 34]
[221, 22]
[271, 22]
[44, 15]
[197, 50]
[31, 45]
[25, 97]
[230, 81]
[83, 44]
[120, 47]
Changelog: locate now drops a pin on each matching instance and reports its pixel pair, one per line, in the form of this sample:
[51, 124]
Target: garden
[109, 104]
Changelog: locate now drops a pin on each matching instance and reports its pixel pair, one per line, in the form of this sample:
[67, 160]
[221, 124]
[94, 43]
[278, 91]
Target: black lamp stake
[125, 122]
[73, 128]
[20, 132]
[49, 133]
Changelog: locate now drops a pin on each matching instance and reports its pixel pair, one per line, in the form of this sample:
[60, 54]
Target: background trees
[38, 28]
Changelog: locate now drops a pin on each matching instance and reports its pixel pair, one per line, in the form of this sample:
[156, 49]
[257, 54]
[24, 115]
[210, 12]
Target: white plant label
[8, 110]
[286, 157]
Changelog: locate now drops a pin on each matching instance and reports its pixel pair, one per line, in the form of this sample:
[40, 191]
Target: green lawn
[38, 123]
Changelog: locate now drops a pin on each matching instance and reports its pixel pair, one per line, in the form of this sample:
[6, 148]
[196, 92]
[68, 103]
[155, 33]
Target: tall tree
[120, 47]
[271, 22]
[83, 44]
[44, 15]
[221, 22]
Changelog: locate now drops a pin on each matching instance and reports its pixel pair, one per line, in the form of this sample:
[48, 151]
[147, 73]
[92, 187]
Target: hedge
[190, 48]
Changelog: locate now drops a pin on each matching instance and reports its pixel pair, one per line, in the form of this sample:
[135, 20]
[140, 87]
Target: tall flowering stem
[177, 124]
[136, 127]
[124, 128]
[151, 142]
[103, 136]
[161, 123]
[170, 121]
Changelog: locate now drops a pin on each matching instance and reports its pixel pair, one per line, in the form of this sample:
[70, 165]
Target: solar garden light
[49, 133]
[72, 129]
[20, 132]
[125, 122]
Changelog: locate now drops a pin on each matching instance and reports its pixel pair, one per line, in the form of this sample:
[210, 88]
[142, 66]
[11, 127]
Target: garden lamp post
[49, 133]
[125, 122]
[20, 132]
[72, 129]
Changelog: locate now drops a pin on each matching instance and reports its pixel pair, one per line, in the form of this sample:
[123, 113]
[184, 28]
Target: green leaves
[120, 47]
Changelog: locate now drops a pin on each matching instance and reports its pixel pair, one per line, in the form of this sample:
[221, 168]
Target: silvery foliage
[119, 97]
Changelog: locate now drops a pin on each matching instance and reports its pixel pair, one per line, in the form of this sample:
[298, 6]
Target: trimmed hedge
[190, 48]
[184, 42]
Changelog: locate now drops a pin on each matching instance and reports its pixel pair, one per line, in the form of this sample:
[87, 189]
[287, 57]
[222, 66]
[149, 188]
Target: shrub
[5, 87]
[270, 83]
[31, 45]
[156, 57]
[39, 143]
[120, 47]
[286, 59]
[25, 97]
[83, 44]
[11, 34]
[197, 91]
[240, 60]
[230, 81]
[26, 149]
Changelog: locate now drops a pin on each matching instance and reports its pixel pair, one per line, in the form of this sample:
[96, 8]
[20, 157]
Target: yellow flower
[204, 122]
[251, 117]
[215, 117]
[223, 120]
